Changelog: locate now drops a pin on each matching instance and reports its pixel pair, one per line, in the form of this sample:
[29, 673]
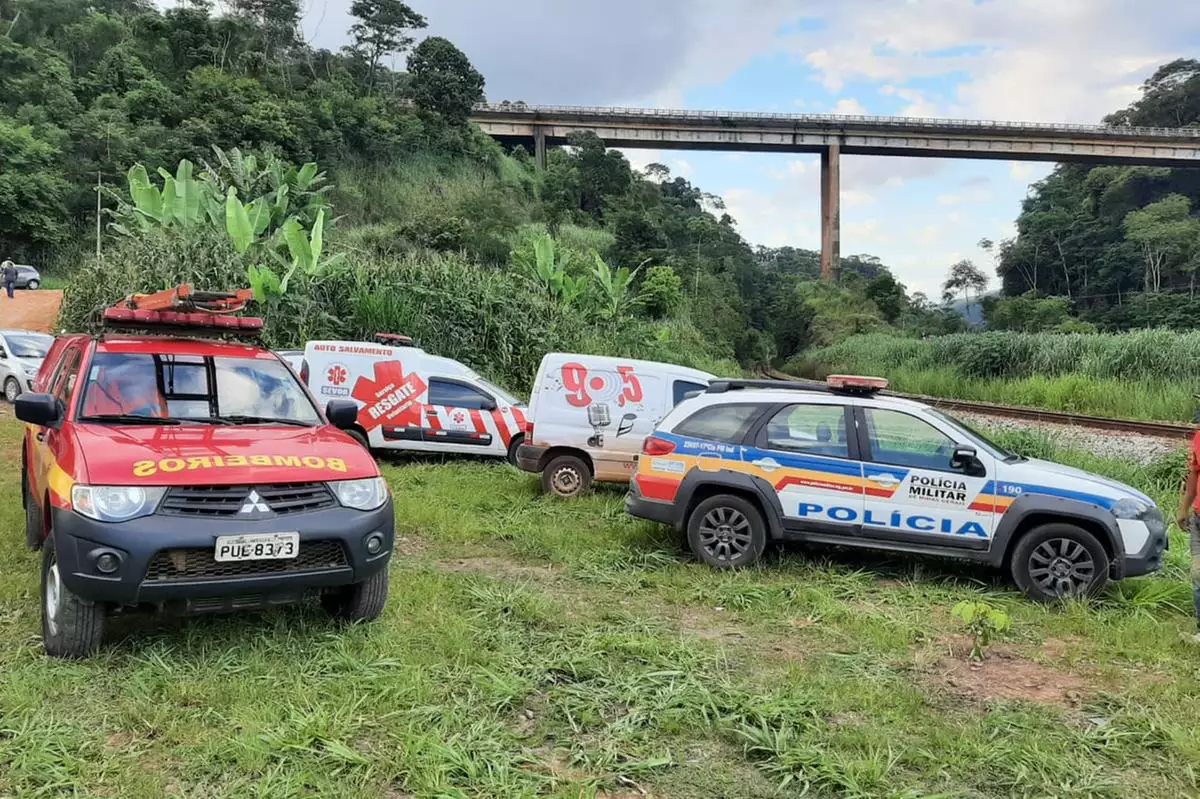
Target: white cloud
[849, 106]
[682, 167]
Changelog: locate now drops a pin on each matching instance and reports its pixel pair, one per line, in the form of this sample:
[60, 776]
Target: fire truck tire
[358, 602]
[566, 476]
[72, 628]
[33, 519]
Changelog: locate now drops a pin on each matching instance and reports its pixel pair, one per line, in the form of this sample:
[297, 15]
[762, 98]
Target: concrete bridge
[536, 127]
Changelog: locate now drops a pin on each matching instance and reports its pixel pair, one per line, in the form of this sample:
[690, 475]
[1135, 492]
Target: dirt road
[30, 310]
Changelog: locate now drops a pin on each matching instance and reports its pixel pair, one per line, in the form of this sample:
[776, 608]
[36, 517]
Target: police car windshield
[204, 389]
[29, 345]
[992, 448]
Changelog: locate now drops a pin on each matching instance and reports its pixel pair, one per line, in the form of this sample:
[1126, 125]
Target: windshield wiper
[245, 418]
[128, 418]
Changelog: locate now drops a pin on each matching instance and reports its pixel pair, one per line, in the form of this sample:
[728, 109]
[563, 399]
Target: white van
[411, 400]
[589, 414]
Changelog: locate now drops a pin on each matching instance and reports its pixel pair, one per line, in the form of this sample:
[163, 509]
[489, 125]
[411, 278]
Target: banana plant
[614, 286]
[245, 224]
[549, 269]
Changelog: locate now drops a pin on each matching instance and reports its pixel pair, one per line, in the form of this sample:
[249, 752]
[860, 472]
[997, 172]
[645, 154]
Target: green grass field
[538, 648]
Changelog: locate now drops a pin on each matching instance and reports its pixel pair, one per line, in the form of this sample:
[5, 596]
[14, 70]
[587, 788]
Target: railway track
[1157, 429]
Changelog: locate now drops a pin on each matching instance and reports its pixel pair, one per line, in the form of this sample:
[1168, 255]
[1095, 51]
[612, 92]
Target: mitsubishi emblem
[255, 503]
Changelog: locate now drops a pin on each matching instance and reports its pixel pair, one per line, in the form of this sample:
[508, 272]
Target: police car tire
[1028, 543]
[79, 624]
[730, 502]
[358, 602]
[581, 476]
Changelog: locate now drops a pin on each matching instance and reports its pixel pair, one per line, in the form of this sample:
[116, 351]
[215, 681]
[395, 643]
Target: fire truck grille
[198, 563]
[282, 499]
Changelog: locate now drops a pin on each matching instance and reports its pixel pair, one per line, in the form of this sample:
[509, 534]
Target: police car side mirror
[44, 410]
[966, 460]
[342, 414]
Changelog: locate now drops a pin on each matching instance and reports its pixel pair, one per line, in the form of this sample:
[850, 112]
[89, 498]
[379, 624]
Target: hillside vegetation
[428, 228]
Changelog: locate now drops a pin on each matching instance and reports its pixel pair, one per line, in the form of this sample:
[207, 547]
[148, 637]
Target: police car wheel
[1059, 561]
[566, 476]
[358, 602]
[71, 627]
[726, 532]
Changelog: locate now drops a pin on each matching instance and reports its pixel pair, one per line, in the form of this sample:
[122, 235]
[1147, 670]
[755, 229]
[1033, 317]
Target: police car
[750, 462]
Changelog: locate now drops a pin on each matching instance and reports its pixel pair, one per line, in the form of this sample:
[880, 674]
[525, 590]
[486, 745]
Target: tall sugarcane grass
[1147, 374]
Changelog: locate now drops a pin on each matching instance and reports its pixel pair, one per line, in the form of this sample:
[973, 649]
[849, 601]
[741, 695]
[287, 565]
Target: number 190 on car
[264, 546]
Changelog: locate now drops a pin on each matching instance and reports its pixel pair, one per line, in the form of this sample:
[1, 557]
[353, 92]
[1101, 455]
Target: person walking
[8, 273]
[1189, 519]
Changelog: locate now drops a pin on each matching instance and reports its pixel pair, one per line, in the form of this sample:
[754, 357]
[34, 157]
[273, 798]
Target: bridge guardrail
[716, 116]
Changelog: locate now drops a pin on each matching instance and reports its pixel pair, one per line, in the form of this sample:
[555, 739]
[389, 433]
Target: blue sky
[1034, 60]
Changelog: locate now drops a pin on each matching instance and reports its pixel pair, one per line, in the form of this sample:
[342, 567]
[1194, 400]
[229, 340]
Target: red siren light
[856, 383]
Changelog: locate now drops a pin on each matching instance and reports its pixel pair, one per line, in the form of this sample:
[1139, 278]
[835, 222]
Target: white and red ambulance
[411, 400]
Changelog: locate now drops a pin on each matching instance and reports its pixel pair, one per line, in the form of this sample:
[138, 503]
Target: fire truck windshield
[124, 388]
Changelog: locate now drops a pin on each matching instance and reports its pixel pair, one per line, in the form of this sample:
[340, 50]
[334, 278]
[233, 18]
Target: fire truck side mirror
[43, 410]
[342, 414]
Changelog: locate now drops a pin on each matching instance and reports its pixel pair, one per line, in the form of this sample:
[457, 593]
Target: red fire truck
[168, 464]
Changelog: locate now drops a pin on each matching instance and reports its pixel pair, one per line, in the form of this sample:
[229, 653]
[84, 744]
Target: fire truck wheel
[33, 519]
[566, 476]
[71, 627]
[358, 602]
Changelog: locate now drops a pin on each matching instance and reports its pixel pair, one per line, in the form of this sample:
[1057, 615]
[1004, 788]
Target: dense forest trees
[89, 88]
[1121, 244]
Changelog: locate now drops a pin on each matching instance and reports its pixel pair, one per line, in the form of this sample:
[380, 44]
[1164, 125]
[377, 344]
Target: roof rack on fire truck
[183, 309]
[834, 384]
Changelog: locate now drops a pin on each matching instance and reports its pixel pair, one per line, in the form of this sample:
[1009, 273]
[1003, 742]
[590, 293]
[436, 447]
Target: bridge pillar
[539, 147]
[831, 216]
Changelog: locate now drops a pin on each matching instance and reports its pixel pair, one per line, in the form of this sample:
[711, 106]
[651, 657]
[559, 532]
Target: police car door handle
[767, 463]
[883, 479]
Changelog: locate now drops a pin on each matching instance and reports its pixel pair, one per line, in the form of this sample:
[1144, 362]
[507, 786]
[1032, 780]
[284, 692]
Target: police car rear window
[727, 423]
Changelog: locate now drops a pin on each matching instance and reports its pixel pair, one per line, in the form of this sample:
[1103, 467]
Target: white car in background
[21, 356]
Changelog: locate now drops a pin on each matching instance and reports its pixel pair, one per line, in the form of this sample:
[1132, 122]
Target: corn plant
[983, 621]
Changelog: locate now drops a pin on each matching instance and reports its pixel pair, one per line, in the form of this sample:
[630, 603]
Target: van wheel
[358, 602]
[512, 449]
[1059, 561]
[12, 389]
[566, 476]
[726, 532]
[71, 627]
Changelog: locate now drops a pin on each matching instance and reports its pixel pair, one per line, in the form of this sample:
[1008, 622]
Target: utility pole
[98, 173]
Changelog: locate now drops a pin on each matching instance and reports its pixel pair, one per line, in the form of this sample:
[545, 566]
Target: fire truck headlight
[115, 503]
[367, 494]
